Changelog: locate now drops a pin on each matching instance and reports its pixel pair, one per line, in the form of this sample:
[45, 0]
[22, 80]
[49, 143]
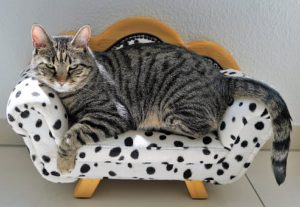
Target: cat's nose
[61, 83]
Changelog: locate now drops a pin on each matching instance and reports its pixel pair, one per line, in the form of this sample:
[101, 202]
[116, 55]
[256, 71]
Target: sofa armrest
[36, 113]
[33, 106]
[244, 115]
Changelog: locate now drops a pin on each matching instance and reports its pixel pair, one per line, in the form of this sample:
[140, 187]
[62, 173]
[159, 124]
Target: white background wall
[263, 35]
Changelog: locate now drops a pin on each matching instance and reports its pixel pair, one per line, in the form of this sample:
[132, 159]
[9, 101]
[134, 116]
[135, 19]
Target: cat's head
[64, 63]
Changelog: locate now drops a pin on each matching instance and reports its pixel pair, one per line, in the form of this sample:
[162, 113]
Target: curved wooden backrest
[133, 25]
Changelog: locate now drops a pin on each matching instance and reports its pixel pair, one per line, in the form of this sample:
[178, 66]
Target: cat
[154, 85]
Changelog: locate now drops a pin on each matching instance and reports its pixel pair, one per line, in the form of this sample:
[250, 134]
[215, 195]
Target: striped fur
[157, 86]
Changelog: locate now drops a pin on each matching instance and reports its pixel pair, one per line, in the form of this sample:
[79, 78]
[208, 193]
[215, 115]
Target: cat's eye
[50, 66]
[72, 67]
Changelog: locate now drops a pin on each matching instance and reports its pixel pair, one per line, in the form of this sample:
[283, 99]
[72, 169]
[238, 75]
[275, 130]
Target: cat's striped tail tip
[279, 170]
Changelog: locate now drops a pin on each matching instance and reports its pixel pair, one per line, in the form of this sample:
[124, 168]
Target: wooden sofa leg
[196, 189]
[85, 188]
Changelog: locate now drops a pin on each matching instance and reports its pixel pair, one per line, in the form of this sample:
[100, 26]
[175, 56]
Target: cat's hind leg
[188, 122]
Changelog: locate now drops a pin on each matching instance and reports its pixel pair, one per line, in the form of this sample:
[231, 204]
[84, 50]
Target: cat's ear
[39, 36]
[82, 37]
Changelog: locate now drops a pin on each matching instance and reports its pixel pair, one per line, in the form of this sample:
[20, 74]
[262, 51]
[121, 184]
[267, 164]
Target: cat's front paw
[66, 164]
[67, 153]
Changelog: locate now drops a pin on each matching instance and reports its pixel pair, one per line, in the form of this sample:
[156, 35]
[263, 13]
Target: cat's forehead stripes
[61, 48]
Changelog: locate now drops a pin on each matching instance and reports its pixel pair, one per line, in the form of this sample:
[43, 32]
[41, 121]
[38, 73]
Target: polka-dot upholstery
[36, 113]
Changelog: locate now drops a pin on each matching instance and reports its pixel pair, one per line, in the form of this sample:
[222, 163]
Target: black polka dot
[35, 94]
[51, 95]
[178, 144]
[82, 155]
[259, 125]
[85, 168]
[207, 140]
[220, 172]
[252, 107]
[46, 158]
[115, 152]
[129, 165]
[246, 165]
[43, 104]
[265, 112]
[96, 164]
[98, 148]
[150, 170]
[255, 139]
[45, 172]
[20, 125]
[36, 137]
[33, 158]
[55, 107]
[152, 145]
[233, 119]
[241, 104]
[206, 151]
[244, 143]
[187, 174]
[54, 173]
[225, 165]
[216, 156]
[148, 133]
[232, 177]
[244, 121]
[128, 141]
[239, 158]
[227, 148]
[135, 154]
[232, 137]
[50, 134]
[112, 173]
[38, 123]
[207, 166]
[18, 94]
[180, 159]
[169, 167]
[10, 117]
[223, 125]
[162, 137]
[237, 140]
[175, 170]
[25, 114]
[221, 160]
[57, 125]
[257, 145]
[17, 109]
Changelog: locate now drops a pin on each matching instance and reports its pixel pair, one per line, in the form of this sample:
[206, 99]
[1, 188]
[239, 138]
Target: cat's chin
[61, 89]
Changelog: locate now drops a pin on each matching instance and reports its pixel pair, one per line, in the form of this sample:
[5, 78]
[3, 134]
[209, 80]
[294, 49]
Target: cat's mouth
[62, 87]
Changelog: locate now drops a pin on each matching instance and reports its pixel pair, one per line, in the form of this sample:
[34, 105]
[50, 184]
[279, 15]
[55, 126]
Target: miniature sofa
[35, 112]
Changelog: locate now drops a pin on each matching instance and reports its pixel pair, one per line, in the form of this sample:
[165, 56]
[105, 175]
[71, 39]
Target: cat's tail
[281, 119]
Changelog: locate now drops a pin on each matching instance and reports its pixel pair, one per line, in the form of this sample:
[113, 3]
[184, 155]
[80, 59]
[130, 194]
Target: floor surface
[22, 186]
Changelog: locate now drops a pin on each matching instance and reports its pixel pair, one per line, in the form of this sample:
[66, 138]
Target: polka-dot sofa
[36, 113]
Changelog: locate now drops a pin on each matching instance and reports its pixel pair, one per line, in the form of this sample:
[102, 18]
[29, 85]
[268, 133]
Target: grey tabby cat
[155, 85]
